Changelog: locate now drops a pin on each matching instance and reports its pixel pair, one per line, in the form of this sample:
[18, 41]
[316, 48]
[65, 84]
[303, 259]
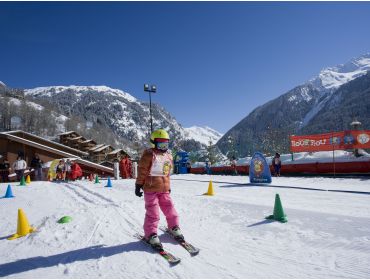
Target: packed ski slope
[327, 234]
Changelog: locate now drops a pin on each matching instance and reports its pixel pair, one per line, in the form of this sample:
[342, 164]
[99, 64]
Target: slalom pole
[332, 137]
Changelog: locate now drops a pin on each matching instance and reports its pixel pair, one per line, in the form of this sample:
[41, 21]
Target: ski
[173, 260]
[188, 247]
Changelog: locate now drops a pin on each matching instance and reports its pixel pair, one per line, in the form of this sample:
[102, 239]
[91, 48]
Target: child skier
[154, 178]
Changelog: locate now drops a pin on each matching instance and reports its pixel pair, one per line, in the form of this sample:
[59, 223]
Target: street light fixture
[150, 89]
[356, 124]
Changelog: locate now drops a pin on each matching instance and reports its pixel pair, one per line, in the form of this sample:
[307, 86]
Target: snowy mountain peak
[203, 134]
[332, 78]
[47, 91]
[2, 85]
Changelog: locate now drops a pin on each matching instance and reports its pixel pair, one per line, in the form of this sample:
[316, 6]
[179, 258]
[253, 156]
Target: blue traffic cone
[9, 193]
[109, 184]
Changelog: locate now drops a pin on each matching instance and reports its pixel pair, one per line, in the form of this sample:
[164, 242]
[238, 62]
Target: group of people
[19, 167]
[68, 170]
[65, 170]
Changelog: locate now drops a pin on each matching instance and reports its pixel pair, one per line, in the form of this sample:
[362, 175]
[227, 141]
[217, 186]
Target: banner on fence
[349, 139]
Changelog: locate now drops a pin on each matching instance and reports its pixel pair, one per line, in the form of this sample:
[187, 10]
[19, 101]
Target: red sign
[342, 140]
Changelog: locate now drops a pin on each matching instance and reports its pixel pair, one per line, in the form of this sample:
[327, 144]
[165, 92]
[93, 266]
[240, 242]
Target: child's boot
[154, 241]
[176, 232]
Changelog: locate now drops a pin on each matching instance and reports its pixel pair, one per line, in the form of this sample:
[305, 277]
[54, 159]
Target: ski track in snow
[327, 234]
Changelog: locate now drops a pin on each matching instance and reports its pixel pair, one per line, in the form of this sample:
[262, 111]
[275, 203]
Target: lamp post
[150, 89]
[230, 141]
[356, 124]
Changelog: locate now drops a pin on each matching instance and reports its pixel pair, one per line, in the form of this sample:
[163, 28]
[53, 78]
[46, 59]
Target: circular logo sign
[363, 138]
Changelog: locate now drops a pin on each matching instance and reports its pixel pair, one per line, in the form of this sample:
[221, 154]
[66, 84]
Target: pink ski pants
[154, 201]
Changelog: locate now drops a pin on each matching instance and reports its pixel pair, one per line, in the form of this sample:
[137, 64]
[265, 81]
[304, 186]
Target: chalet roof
[88, 141]
[67, 133]
[101, 148]
[72, 150]
[75, 138]
[37, 145]
[96, 147]
[115, 151]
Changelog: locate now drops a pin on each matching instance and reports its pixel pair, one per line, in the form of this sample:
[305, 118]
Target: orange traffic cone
[23, 227]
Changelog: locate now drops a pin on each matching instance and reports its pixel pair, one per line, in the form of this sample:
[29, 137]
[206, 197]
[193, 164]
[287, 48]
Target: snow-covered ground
[327, 234]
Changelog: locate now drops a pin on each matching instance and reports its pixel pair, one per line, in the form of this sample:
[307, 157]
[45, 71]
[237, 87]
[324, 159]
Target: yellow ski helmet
[158, 134]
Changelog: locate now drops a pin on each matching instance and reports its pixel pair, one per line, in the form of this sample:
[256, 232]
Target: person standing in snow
[276, 162]
[67, 173]
[36, 164]
[208, 166]
[154, 179]
[233, 166]
[125, 166]
[19, 166]
[60, 170]
[76, 171]
[4, 169]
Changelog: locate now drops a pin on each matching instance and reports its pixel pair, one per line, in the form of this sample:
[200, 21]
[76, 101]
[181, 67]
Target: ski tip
[175, 262]
[193, 254]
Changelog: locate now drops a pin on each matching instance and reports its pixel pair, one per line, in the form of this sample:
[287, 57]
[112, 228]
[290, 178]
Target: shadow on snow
[235, 185]
[93, 252]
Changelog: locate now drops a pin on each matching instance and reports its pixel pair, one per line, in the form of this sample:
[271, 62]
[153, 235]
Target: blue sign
[259, 170]
[181, 161]
[334, 140]
[348, 139]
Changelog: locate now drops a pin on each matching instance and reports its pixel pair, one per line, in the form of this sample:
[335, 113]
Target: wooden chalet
[117, 154]
[17, 142]
[66, 136]
[96, 152]
[76, 142]
[100, 154]
[87, 145]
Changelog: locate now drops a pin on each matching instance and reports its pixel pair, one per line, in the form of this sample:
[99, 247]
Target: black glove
[138, 191]
[169, 191]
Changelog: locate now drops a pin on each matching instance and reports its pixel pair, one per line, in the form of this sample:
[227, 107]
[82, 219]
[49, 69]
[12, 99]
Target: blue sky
[212, 62]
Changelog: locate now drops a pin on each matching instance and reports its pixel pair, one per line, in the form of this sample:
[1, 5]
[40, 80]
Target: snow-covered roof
[101, 148]
[87, 141]
[75, 138]
[67, 133]
[115, 151]
[96, 147]
[37, 145]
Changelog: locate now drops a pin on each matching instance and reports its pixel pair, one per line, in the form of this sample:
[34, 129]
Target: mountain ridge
[267, 126]
[127, 117]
